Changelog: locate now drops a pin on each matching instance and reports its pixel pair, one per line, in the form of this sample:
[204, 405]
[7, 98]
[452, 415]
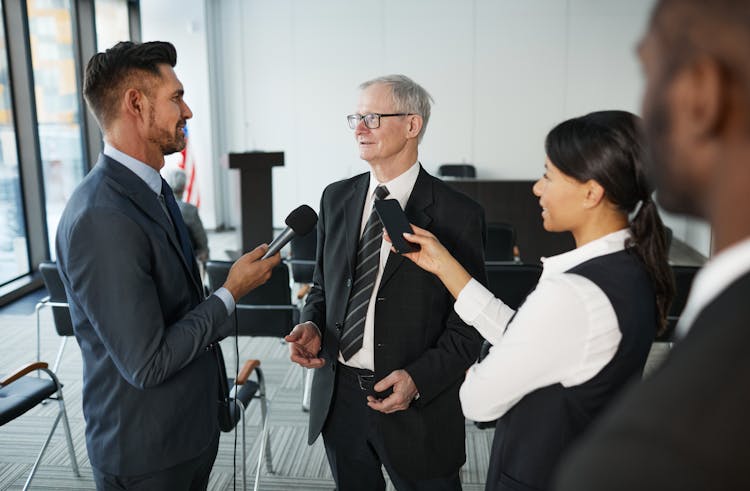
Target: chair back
[265, 311]
[457, 170]
[501, 238]
[60, 314]
[683, 281]
[512, 282]
[303, 249]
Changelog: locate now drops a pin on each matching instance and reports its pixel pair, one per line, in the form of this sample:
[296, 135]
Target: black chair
[58, 301]
[265, 311]
[512, 282]
[302, 257]
[20, 392]
[501, 242]
[457, 170]
[233, 403]
[683, 279]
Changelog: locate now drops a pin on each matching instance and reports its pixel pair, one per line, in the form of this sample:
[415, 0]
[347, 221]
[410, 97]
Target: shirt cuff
[226, 298]
[472, 300]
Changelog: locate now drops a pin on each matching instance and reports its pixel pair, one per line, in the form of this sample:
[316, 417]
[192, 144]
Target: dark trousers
[191, 475]
[355, 448]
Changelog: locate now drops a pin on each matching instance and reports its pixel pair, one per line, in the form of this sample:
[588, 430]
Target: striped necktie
[368, 263]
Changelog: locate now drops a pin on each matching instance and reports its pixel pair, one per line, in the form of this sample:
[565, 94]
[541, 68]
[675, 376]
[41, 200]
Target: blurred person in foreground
[687, 427]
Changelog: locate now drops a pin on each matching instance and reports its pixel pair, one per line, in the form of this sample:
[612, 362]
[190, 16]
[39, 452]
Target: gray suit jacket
[197, 233]
[149, 385]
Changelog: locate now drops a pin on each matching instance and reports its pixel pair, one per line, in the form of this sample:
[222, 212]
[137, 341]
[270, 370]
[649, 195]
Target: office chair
[683, 280]
[457, 170]
[19, 393]
[501, 242]
[233, 403]
[302, 261]
[265, 311]
[58, 301]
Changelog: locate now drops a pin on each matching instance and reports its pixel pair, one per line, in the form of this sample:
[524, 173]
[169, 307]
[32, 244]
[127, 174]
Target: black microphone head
[302, 220]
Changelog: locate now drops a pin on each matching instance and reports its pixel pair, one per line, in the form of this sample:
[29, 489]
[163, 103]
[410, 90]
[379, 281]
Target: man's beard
[168, 142]
[674, 191]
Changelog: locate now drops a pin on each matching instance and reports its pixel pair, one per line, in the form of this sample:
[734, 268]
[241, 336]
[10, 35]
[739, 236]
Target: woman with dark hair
[587, 328]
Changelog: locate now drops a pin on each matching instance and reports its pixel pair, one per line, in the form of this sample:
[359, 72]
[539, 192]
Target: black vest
[532, 436]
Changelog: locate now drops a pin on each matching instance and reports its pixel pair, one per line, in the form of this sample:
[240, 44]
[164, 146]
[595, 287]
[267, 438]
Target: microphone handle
[280, 241]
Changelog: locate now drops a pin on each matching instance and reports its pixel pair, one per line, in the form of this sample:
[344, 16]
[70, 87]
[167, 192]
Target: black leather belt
[364, 379]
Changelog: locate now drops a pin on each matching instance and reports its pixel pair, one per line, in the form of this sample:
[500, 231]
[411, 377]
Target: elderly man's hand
[404, 391]
[304, 345]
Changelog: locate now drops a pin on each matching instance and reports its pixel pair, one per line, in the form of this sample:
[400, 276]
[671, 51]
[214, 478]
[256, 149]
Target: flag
[187, 163]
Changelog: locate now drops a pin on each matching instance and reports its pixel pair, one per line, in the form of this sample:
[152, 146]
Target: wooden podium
[256, 194]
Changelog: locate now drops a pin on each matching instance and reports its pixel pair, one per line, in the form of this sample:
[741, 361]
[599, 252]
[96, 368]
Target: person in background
[687, 427]
[587, 328]
[139, 313]
[177, 179]
[388, 350]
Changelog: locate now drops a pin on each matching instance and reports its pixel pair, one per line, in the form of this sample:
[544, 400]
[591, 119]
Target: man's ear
[594, 194]
[415, 125]
[135, 102]
[701, 93]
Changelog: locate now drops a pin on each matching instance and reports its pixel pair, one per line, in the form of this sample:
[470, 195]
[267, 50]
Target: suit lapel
[416, 210]
[354, 204]
[144, 198]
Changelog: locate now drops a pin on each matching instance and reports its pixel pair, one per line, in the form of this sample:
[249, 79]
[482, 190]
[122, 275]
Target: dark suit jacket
[416, 328]
[149, 386]
[686, 427]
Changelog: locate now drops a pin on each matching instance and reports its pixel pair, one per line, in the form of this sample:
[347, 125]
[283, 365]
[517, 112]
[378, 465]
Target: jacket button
[339, 325]
[348, 282]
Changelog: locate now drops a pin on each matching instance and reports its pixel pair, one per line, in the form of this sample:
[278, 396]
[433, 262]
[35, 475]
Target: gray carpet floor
[297, 466]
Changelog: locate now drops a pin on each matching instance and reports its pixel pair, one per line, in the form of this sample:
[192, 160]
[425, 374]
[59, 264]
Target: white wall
[503, 72]
[183, 24]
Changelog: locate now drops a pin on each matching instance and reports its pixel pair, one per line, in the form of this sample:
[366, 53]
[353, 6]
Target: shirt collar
[718, 273]
[399, 188]
[147, 173]
[610, 243]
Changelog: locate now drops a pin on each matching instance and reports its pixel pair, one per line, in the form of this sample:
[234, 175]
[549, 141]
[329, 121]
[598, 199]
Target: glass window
[112, 25]
[57, 103]
[14, 254]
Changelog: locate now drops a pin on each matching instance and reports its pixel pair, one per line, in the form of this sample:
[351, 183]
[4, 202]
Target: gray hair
[408, 96]
[176, 178]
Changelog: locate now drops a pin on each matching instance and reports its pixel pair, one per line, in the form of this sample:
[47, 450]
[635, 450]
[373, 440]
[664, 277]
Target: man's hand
[404, 391]
[304, 345]
[249, 272]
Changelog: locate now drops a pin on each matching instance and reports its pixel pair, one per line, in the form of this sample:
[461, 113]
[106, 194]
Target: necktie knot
[381, 192]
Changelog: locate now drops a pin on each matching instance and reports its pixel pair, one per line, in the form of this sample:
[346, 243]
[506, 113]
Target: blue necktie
[179, 223]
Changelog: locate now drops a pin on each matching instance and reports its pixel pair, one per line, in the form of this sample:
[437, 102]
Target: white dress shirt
[399, 189]
[718, 273]
[565, 332]
[152, 178]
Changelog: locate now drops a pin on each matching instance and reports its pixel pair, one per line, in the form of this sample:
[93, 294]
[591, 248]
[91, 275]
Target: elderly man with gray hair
[388, 350]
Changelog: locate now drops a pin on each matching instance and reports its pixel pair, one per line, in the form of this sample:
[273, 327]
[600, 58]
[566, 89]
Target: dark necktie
[178, 223]
[368, 263]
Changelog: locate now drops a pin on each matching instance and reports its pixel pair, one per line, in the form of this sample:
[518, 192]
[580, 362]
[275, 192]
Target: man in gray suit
[138, 308]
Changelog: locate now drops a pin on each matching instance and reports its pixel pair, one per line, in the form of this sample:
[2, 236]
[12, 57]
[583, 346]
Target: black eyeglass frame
[354, 119]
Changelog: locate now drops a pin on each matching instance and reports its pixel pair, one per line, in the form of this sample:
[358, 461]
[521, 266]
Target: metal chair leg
[41, 453]
[68, 437]
[59, 354]
[307, 389]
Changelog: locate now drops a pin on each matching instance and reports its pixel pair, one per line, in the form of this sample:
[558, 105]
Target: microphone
[299, 222]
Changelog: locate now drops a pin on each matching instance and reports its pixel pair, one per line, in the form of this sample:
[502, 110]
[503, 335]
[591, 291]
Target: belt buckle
[365, 378]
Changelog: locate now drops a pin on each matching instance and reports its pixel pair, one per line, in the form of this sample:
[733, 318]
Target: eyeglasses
[372, 120]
